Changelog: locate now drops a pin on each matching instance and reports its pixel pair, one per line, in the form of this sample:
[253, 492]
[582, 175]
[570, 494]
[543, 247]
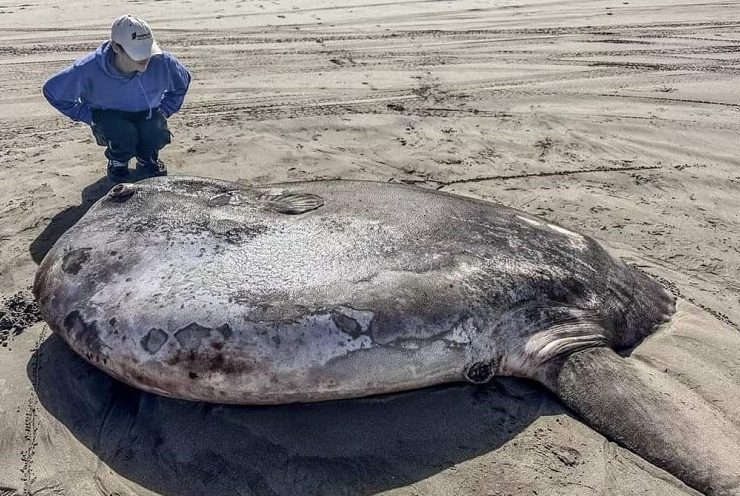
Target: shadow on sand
[356, 447]
[68, 218]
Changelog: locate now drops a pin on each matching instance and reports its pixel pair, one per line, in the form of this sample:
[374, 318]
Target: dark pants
[131, 134]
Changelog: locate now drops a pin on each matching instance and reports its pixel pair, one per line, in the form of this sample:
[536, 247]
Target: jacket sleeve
[64, 92]
[179, 83]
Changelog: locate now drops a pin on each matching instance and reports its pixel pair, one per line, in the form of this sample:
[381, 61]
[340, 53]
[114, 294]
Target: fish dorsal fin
[293, 203]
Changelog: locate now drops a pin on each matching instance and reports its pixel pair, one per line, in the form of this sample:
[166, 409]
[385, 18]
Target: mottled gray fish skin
[213, 291]
[209, 290]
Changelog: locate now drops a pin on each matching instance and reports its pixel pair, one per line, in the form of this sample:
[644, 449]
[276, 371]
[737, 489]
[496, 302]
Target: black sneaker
[151, 168]
[117, 171]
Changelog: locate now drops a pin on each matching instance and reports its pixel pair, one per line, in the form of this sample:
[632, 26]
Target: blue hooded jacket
[93, 82]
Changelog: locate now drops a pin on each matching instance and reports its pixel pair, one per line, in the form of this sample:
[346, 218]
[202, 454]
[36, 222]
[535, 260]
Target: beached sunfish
[215, 291]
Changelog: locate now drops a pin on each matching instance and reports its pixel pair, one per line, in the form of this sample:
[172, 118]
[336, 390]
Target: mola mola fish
[214, 291]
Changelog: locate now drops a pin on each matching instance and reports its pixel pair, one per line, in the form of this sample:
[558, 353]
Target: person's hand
[94, 113]
[98, 135]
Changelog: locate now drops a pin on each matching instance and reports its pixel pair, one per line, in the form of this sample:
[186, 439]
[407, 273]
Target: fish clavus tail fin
[650, 414]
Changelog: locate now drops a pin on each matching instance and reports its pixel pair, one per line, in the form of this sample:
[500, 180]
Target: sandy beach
[619, 119]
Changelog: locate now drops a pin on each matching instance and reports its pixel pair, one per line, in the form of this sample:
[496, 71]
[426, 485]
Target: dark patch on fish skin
[384, 328]
[347, 324]
[225, 331]
[191, 335]
[86, 333]
[387, 328]
[234, 232]
[217, 363]
[192, 375]
[225, 230]
[221, 364]
[208, 360]
[154, 340]
[481, 372]
[75, 259]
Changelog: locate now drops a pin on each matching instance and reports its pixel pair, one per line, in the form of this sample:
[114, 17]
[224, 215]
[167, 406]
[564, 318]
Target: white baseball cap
[135, 36]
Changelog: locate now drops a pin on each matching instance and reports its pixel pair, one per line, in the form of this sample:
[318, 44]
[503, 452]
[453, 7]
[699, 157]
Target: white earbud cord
[148, 102]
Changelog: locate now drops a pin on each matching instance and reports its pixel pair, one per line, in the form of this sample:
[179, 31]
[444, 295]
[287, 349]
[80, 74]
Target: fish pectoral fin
[539, 333]
[650, 414]
[293, 203]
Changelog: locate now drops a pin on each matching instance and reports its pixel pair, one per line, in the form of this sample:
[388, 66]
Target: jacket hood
[104, 56]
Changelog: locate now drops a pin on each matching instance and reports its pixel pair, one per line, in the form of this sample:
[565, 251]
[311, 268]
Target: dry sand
[617, 118]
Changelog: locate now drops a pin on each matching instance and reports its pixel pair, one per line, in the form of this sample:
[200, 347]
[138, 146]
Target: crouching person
[125, 91]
